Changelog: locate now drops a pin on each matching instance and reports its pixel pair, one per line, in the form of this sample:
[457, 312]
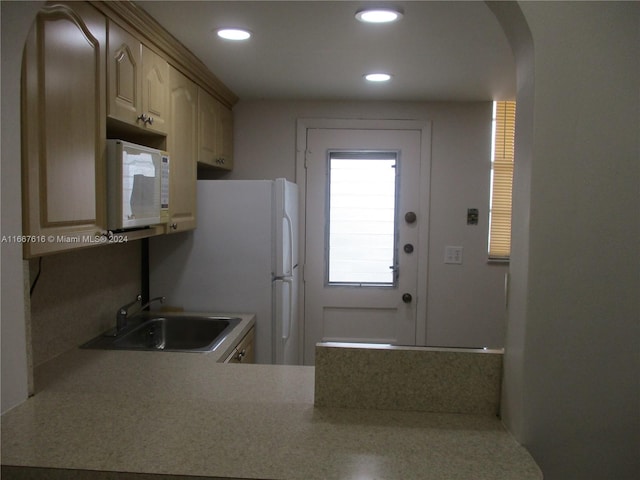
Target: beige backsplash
[77, 295]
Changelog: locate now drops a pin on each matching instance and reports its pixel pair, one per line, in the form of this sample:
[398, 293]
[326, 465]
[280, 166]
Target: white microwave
[137, 185]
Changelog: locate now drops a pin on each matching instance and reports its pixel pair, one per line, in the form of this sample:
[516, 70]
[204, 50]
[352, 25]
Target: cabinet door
[124, 73]
[244, 351]
[63, 129]
[246, 348]
[182, 144]
[155, 90]
[225, 137]
[215, 132]
[206, 128]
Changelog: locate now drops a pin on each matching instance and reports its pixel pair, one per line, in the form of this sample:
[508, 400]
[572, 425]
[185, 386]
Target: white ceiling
[318, 50]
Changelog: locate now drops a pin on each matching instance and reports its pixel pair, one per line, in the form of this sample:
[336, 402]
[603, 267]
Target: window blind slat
[502, 186]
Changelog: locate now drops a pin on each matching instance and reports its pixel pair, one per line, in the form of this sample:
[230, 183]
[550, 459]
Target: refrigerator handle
[286, 325]
[289, 235]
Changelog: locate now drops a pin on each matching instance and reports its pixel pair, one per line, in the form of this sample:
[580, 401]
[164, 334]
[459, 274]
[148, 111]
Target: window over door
[362, 230]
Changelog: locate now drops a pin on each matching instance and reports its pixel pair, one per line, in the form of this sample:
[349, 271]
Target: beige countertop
[185, 414]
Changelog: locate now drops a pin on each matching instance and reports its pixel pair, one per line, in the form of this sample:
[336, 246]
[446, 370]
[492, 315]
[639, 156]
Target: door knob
[410, 217]
[406, 298]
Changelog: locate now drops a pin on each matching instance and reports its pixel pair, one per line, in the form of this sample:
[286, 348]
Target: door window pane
[362, 218]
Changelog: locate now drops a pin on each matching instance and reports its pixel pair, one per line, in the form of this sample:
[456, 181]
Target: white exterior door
[365, 218]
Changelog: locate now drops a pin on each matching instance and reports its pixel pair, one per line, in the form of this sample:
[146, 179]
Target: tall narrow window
[362, 218]
[502, 160]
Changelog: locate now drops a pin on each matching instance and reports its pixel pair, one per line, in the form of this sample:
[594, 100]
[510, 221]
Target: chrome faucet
[123, 312]
[157, 299]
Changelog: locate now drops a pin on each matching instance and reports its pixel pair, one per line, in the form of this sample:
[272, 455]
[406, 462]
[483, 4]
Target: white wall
[572, 389]
[465, 304]
[16, 19]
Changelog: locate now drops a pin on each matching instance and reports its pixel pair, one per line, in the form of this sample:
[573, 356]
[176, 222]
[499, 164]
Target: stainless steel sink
[168, 333]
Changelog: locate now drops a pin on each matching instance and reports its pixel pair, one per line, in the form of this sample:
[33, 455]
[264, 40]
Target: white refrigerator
[242, 257]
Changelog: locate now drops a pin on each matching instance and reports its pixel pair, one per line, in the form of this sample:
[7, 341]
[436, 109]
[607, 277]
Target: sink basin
[169, 333]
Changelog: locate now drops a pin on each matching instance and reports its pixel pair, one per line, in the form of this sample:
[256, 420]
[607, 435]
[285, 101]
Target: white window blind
[362, 225]
[502, 180]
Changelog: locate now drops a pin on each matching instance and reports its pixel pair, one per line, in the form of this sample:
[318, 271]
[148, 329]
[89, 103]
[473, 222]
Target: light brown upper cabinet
[182, 143]
[63, 129]
[138, 92]
[93, 67]
[155, 90]
[215, 132]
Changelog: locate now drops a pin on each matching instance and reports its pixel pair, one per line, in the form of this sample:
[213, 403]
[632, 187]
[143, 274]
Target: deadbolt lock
[410, 217]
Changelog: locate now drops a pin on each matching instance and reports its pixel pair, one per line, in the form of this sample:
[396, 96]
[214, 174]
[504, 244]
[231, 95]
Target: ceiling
[317, 50]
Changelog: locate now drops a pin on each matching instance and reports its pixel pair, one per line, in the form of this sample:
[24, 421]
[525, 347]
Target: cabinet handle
[174, 226]
[241, 355]
[143, 117]
[149, 120]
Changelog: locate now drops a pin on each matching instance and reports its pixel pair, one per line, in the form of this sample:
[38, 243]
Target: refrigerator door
[286, 227]
[286, 341]
[226, 263]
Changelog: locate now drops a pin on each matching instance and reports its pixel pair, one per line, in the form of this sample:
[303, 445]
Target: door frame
[424, 126]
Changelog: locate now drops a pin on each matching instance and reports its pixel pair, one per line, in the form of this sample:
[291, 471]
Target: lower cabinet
[244, 351]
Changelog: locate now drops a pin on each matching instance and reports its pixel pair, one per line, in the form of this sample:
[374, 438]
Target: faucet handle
[121, 316]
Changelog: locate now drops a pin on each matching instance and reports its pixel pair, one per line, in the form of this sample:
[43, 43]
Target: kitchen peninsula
[178, 415]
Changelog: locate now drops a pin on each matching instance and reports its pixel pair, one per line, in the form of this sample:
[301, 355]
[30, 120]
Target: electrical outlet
[453, 255]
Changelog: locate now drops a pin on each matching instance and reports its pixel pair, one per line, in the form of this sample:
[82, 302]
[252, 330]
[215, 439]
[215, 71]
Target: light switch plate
[453, 255]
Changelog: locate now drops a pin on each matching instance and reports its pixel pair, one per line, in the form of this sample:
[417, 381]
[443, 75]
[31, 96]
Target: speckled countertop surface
[184, 414]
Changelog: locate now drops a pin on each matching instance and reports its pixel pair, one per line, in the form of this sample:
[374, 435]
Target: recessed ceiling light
[234, 34]
[377, 77]
[378, 15]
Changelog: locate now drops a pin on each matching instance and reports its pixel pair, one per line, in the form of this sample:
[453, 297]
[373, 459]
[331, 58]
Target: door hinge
[307, 154]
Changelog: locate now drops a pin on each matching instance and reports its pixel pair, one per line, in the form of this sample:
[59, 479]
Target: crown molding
[142, 25]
